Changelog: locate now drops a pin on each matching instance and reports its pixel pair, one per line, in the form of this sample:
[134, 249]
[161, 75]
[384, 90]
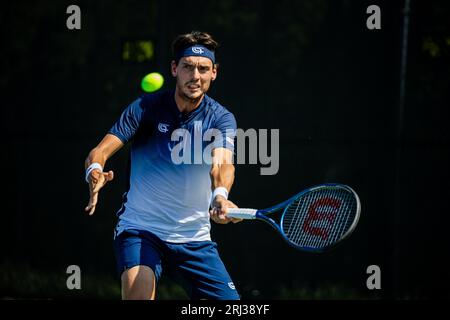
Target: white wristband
[93, 166]
[220, 191]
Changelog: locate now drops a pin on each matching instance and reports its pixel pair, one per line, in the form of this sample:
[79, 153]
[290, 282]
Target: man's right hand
[97, 180]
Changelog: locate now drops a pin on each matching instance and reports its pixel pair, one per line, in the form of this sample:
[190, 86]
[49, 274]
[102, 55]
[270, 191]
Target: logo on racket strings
[320, 210]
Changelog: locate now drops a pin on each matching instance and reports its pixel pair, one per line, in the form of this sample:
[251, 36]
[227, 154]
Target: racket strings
[338, 227]
[301, 231]
[320, 217]
[342, 214]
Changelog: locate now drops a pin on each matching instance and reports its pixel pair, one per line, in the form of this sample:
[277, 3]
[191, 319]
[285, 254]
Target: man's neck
[187, 105]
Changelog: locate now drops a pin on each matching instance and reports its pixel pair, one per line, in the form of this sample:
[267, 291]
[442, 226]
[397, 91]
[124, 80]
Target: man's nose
[195, 73]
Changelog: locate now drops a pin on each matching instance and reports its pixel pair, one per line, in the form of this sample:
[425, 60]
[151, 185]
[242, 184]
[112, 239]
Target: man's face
[194, 75]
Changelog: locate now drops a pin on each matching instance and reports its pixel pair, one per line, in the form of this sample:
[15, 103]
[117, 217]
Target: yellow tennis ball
[152, 82]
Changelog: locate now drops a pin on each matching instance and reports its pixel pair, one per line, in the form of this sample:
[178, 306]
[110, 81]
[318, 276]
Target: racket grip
[241, 213]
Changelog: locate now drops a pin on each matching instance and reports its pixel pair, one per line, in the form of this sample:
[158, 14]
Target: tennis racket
[315, 220]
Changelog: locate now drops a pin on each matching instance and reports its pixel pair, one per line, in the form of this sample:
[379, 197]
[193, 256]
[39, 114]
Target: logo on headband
[197, 50]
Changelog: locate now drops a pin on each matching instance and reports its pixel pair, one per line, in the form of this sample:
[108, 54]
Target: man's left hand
[218, 212]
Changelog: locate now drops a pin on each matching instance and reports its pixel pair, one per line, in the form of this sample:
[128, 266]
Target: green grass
[331, 291]
[22, 282]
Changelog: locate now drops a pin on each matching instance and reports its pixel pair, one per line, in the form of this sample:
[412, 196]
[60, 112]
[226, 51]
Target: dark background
[309, 68]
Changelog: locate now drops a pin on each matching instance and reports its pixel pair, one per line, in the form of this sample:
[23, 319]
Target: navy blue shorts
[195, 265]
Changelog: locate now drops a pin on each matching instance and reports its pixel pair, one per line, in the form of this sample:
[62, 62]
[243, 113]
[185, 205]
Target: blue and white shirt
[168, 199]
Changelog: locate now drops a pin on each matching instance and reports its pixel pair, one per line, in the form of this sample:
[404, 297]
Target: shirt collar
[187, 115]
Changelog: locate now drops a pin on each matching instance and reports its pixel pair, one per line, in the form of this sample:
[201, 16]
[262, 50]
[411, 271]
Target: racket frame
[261, 214]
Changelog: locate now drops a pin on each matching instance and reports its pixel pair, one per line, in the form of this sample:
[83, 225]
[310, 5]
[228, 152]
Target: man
[164, 221]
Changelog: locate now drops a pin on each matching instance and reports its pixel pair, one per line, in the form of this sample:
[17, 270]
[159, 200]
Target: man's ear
[173, 68]
[214, 72]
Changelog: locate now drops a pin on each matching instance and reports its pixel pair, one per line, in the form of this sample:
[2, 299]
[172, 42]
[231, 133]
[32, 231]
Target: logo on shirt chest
[163, 127]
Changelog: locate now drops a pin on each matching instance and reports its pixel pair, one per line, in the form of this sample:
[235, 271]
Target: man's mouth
[193, 86]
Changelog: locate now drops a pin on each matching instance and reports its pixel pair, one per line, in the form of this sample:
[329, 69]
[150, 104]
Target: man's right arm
[96, 178]
[104, 150]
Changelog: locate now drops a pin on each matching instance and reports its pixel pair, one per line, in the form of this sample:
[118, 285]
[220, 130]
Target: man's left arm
[222, 178]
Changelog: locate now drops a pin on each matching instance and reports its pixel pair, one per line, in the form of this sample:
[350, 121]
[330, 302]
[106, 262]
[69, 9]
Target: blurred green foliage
[21, 282]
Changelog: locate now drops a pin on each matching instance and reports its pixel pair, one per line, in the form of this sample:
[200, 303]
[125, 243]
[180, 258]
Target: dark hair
[187, 40]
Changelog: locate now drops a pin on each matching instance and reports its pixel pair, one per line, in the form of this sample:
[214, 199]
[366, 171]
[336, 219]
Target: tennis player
[164, 221]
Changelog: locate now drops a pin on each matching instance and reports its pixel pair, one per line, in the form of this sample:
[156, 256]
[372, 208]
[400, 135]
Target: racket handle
[241, 213]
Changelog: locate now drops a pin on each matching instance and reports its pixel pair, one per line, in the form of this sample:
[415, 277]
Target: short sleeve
[227, 126]
[129, 121]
